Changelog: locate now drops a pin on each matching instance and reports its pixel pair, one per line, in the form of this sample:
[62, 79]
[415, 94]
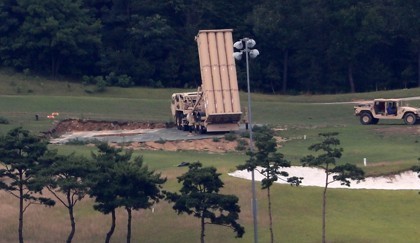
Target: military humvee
[370, 112]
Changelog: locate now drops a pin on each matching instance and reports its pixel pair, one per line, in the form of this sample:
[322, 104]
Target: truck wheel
[366, 118]
[410, 119]
[178, 119]
[203, 130]
[179, 122]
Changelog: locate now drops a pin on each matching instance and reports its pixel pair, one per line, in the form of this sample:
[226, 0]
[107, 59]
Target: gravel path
[137, 135]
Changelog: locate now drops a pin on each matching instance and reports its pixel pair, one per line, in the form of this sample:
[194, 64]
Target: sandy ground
[316, 177]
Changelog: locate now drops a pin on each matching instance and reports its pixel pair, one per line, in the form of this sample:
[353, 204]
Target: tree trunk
[71, 216]
[270, 215]
[20, 207]
[285, 70]
[351, 80]
[272, 86]
[202, 228]
[418, 68]
[111, 230]
[53, 65]
[128, 225]
[324, 205]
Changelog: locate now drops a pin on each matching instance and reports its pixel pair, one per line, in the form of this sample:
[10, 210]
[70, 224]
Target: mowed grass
[352, 215]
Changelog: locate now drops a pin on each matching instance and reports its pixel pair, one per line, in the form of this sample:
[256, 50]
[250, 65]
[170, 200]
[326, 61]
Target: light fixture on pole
[244, 46]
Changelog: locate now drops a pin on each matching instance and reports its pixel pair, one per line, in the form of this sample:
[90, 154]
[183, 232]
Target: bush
[242, 145]
[82, 142]
[161, 141]
[101, 84]
[216, 139]
[3, 120]
[124, 81]
[87, 80]
[245, 134]
[231, 136]
[119, 80]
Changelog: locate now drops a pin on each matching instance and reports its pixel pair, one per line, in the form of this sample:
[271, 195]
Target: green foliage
[416, 168]
[244, 134]
[328, 159]
[121, 80]
[242, 145]
[161, 141]
[119, 182]
[83, 142]
[230, 136]
[327, 162]
[309, 46]
[50, 35]
[268, 162]
[65, 177]
[4, 120]
[200, 197]
[21, 157]
[100, 84]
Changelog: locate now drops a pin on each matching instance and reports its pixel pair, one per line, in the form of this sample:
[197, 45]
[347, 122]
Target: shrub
[216, 139]
[242, 145]
[244, 134]
[161, 141]
[231, 136]
[86, 80]
[82, 142]
[3, 120]
[124, 81]
[101, 84]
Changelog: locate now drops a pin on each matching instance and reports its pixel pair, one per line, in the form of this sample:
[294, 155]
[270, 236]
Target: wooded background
[306, 46]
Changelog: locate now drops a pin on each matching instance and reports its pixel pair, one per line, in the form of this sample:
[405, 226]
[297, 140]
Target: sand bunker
[316, 177]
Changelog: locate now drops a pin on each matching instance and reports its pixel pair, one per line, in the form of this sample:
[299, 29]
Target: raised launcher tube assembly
[215, 106]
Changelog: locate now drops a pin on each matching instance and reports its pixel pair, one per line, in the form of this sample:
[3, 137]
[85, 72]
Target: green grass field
[352, 215]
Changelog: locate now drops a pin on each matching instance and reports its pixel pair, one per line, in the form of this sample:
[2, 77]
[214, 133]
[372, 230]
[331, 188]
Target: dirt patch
[205, 145]
[73, 125]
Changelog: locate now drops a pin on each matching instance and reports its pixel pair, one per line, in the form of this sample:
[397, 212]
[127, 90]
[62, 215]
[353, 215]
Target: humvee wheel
[179, 122]
[366, 118]
[203, 130]
[410, 119]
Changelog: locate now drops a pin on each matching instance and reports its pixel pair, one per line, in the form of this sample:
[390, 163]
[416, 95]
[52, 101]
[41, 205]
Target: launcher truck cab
[370, 112]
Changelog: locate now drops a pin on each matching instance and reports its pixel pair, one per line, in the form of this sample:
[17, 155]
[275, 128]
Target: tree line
[306, 46]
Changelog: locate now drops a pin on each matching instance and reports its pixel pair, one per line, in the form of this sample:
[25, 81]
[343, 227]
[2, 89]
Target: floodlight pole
[251, 148]
[248, 44]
